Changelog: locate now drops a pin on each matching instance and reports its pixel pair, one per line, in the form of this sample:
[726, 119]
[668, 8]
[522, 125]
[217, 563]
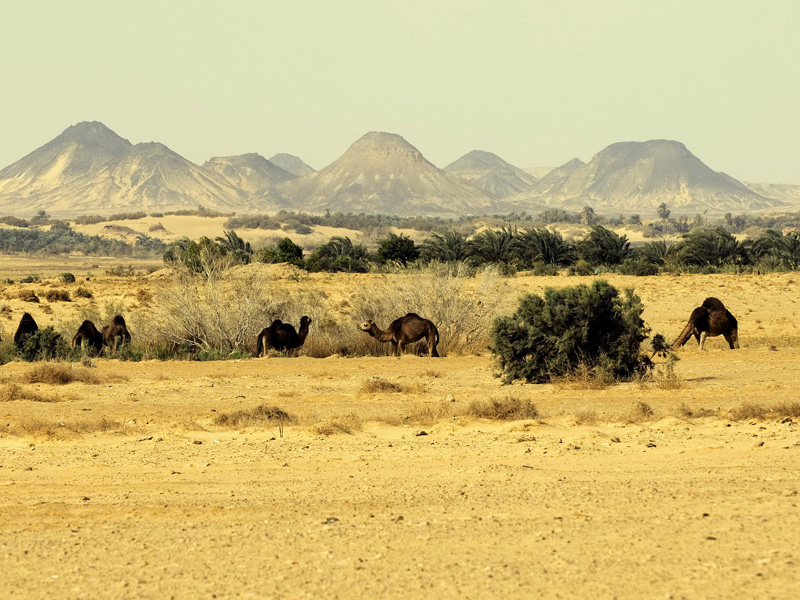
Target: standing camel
[27, 327]
[88, 333]
[403, 331]
[282, 336]
[116, 333]
[708, 320]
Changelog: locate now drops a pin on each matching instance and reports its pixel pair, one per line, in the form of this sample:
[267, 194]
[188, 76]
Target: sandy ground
[126, 488]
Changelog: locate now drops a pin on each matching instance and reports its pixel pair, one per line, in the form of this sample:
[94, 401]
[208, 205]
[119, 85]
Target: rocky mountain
[490, 173]
[638, 176]
[538, 172]
[787, 193]
[249, 172]
[383, 173]
[89, 168]
[291, 163]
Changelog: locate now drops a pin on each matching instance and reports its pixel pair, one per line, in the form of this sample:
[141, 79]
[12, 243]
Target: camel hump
[413, 315]
[118, 320]
[712, 303]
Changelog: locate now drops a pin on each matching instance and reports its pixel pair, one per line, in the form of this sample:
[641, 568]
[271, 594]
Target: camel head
[305, 322]
[366, 325]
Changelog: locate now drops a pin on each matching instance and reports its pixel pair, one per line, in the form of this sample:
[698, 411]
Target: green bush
[580, 267]
[32, 278]
[397, 248]
[570, 329]
[68, 278]
[44, 344]
[639, 267]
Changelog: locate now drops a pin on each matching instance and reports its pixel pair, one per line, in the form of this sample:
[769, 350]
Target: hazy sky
[537, 82]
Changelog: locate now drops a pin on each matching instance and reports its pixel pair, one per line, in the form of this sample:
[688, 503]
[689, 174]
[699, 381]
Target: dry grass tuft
[5, 311]
[378, 385]
[585, 378]
[509, 408]
[748, 410]
[641, 411]
[346, 423]
[56, 373]
[82, 292]
[427, 413]
[587, 416]
[28, 296]
[11, 392]
[56, 296]
[255, 416]
[40, 428]
[687, 412]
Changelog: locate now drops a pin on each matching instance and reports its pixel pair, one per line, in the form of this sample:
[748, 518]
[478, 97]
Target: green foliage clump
[285, 251]
[570, 329]
[602, 246]
[447, 247]
[44, 344]
[640, 267]
[339, 254]
[32, 278]
[397, 248]
[68, 278]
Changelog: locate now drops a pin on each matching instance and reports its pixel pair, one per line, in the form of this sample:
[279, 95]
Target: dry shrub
[5, 311]
[585, 378]
[82, 292]
[687, 412]
[748, 410]
[11, 392]
[586, 416]
[66, 429]
[144, 297]
[57, 373]
[426, 413]
[641, 411]
[509, 408]
[255, 416]
[346, 423]
[460, 305]
[221, 313]
[377, 385]
[28, 296]
[56, 296]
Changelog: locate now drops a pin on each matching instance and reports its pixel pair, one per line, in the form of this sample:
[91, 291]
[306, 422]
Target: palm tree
[663, 211]
[588, 215]
[710, 246]
[491, 246]
[450, 247]
[542, 245]
[602, 246]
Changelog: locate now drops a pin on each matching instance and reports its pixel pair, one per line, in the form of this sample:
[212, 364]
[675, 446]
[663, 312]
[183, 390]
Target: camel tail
[259, 345]
[684, 336]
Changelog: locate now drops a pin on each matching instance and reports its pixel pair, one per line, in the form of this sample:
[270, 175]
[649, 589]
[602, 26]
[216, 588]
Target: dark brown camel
[282, 336]
[27, 327]
[88, 333]
[116, 333]
[403, 331]
[708, 320]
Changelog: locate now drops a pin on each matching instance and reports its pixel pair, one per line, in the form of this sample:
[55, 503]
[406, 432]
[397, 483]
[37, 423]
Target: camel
[708, 320]
[282, 336]
[88, 333]
[403, 331]
[27, 327]
[116, 333]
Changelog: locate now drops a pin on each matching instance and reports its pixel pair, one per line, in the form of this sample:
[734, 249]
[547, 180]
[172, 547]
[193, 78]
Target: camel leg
[730, 341]
[400, 347]
[703, 337]
[394, 348]
[432, 351]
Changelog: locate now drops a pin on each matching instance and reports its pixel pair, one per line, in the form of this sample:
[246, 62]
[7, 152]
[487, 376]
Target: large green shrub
[44, 344]
[569, 329]
[397, 248]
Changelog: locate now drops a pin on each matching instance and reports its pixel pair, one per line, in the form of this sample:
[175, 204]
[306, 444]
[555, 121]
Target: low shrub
[56, 373]
[57, 296]
[44, 344]
[260, 414]
[82, 292]
[68, 278]
[509, 408]
[28, 296]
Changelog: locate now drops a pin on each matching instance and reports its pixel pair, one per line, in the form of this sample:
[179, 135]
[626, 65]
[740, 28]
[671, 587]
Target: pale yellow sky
[536, 82]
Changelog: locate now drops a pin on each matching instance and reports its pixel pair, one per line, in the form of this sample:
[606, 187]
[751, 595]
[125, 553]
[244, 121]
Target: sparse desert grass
[377, 385]
[687, 412]
[255, 416]
[585, 378]
[432, 374]
[427, 413]
[56, 295]
[41, 428]
[508, 408]
[641, 411]
[10, 392]
[5, 311]
[28, 296]
[144, 297]
[586, 416]
[348, 423]
[759, 412]
[83, 292]
[59, 373]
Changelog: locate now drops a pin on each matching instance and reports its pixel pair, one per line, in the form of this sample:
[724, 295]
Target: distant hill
[89, 168]
[383, 173]
[292, 164]
[787, 193]
[639, 176]
[490, 173]
[249, 172]
[538, 172]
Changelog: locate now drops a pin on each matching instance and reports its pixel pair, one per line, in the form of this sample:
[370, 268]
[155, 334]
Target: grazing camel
[708, 320]
[282, 336]
[116, 333]
[27, 327]
[403, 331]
[88, 333]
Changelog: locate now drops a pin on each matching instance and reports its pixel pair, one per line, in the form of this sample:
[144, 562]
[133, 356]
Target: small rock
[398, 518]
[330, 520]
[420, 433]
[449, 398]
[758, 444]
[650, 445]
[197, 442]
[85, 498]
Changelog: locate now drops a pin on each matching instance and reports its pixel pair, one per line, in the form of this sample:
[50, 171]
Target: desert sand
[128, 488]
